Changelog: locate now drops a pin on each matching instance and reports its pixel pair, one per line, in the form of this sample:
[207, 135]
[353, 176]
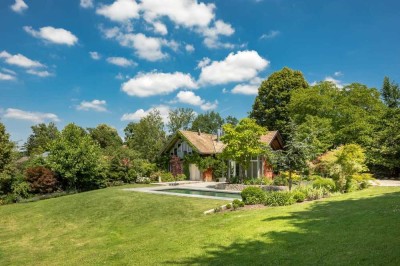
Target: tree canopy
[105, 136]
[180, 118]
[42, 135]
[208, 122]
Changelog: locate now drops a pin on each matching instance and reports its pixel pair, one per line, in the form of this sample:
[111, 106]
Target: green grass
[115, 227]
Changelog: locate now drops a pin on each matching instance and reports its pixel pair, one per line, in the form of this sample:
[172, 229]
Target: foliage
[270, 106]
[231, 120]
[236, 204]
[228, 206]
[180, 118]
[391, 93]
[176, 165]
[243, 142]
[279, 198]
[120, 165]
[147, 137]
[258, 181]
[181, 177]
[41, 180]
[298, 196]
[7, 167]
[312, 193]
[253, 195]
[167, 177]
[280, 181]
[208, 122]
[77, 159]
[326, 183]
[105, 136]
[342, 163]
[42, 135]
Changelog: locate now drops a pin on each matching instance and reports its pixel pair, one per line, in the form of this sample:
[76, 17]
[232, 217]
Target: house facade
[184, 143]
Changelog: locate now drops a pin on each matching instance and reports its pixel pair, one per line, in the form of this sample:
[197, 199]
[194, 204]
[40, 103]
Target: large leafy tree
[270, 106]
[208, 122]
[391, 93]
[231, 120]
[7, 169]
[180, 118]
[147, 137]
[77, 158]
[42, 135]
[105, 136]
[243, 142]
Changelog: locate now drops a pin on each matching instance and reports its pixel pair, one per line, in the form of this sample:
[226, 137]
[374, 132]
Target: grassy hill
[115, 227]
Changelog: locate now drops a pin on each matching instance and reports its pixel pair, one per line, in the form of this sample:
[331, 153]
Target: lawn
[115, 227]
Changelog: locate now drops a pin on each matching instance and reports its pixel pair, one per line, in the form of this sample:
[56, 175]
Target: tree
[105, 136]
[42, 135]
[180, 118]
[77, 159]
[147, 137]
[270, 106]
[208, 122]
[243, 142]
[7, 169]
[391, 93]
[231, 120]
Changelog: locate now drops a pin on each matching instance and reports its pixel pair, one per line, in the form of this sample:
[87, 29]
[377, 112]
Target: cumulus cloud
[95, 55]
[4, 76]
[189, 48]
[120, 61]
[239, 67]
[95, 105]
[250, 88]
[160, 28]
[53, 35]
[270, 35]
[154, 83]
[41, 74]
[35, 117]
[19, 6]
[86, 3]
[337, 82]
[19, 60]
[140, 113]
[191, 98]
[120, 10]
[212, 35]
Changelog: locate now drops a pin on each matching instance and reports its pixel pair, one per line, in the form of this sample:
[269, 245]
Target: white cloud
[154, 83]
[270, 35]
[19, 60]
[337, 82]
[191, 98]
[95, 55]
[250, 88]
[242, 66]
[140, 113]
[41, 74]
[120, 61]
[54, 35]
[120, 10]
[189, 48]
[86, 3]
[120, 76]
[160, 28]
[19, 6]
[338, 74]
[35, 117]
[4, 76]
[204, 62]
[187, 13]
[9, 71]
[212, 35]
[95, 105]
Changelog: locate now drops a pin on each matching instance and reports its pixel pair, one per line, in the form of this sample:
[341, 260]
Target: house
[189, 142]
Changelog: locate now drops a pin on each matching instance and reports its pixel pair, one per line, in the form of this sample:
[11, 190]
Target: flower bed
[240, 187]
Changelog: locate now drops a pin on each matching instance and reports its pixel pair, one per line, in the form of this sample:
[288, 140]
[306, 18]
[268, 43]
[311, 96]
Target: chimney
[198, 132]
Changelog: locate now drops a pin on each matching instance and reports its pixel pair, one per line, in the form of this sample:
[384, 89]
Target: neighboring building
[188, 142]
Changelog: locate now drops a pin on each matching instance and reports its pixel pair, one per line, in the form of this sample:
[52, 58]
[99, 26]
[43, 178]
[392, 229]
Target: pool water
[203, 193]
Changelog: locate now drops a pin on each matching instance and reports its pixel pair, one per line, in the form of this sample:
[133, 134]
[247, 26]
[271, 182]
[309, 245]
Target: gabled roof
[207, 144]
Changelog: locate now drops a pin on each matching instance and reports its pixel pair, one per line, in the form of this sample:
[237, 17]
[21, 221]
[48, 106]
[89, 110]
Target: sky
[92, 62]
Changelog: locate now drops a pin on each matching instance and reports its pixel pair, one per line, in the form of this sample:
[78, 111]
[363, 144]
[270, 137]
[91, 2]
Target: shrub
[237, 204]
[280, 181]
[351, 186]
[217, 209]
[228, 206]
[181, 177]
[279, 198]
[258, 181]
[298, 196]
[326, 183]
[20, 190]
[167, 177]
[41, 180]
[143, 180]
[253, 195]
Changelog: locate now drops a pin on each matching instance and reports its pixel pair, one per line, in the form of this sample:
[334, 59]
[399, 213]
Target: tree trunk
[290, 180]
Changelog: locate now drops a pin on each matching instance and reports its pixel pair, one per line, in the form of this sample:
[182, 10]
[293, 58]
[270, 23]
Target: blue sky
[92, 62]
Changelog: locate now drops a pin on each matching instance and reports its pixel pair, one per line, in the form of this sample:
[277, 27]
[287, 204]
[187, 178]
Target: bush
[351, 186]
[326, 183]
[258, 181]
[143, 180]
[298, 196]
[228, 206]
[253, 195]
[280, 181]
[279, 198]
[181, 177]
[167, 177]
[21, 190]
[41, 180]
[237, 204]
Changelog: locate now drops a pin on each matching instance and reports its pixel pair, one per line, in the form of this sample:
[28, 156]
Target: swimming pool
[202, 193]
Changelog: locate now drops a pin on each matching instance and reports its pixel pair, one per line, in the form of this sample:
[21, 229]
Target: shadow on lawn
[346, 232]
